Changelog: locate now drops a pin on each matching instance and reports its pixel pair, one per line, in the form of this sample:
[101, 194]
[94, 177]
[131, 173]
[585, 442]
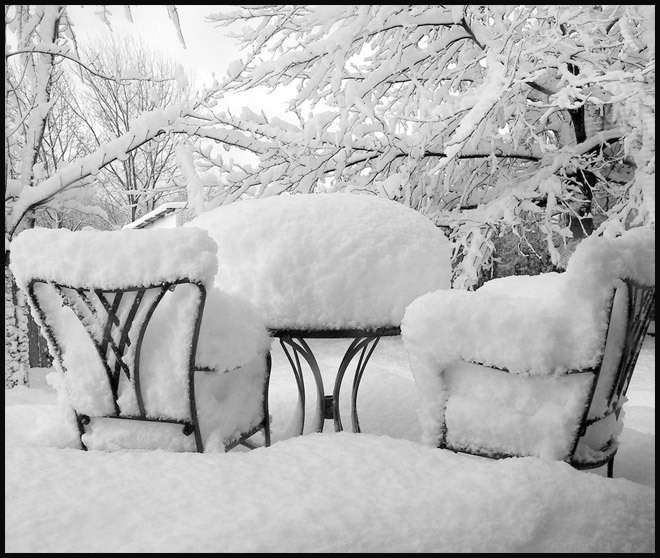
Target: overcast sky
[207, 50]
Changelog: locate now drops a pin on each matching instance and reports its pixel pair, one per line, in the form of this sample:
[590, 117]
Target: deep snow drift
[378, 491]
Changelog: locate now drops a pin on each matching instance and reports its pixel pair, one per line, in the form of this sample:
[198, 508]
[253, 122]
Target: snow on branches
[462, 112]
[40, 37]
[42, 168]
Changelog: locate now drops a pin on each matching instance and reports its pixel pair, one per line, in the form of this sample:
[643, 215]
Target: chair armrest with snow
[535, 365]
[129, 317]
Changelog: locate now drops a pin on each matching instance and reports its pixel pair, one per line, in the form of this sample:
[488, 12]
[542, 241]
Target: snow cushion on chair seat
[233, 343]
[537, 328]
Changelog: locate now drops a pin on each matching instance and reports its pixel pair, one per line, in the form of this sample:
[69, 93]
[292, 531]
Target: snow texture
[379, 491]
[327, 261]
[538, 328]
[378, 494]
[113, 259]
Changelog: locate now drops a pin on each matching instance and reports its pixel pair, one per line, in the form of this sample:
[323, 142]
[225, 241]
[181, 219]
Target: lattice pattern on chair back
[116, 321]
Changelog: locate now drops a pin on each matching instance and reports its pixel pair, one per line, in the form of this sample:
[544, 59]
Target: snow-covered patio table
[327, 266]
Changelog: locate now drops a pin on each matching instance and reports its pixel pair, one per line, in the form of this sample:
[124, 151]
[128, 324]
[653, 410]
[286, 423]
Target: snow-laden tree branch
[534, 119]
[63, 52]
[486, 118]
[145, 128]
[39, 39]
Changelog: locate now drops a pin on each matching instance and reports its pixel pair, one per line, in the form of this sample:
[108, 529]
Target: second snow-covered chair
[536, 365]
[138, 333]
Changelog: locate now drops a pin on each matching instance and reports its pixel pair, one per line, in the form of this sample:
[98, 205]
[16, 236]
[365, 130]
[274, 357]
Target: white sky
[207, 50]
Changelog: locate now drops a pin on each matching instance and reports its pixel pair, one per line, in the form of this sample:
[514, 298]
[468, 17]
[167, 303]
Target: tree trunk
[17, 365]
[582, 223]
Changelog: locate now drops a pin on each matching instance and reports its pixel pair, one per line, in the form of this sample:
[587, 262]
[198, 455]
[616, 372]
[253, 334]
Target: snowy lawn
[376, 491]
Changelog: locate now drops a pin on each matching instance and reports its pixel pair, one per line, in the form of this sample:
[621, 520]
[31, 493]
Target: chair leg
[610, 468]
[269, 364]
[267, 432]
[82, 420]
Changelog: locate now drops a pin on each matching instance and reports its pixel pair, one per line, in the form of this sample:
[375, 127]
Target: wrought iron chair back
[640, 304]
[640, 308]
[116, 321]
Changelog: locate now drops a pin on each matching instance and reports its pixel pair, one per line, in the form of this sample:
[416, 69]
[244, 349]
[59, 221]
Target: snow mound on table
[327, 261]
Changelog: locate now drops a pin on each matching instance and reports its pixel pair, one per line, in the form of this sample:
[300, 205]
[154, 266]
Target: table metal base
[363, 344]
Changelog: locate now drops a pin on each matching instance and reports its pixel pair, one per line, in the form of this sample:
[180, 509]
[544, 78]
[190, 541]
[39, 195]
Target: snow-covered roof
[158, 213]
[327, 261]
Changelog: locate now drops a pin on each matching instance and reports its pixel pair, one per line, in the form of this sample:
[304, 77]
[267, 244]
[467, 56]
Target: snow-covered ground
[376, 491]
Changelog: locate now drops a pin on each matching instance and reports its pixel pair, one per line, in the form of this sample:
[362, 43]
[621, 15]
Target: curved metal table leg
[363, 343]
[358, 344]
[362, 365]
[300, 347]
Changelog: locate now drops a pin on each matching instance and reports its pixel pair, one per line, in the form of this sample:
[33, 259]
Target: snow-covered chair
[138, 332]
[536, 365]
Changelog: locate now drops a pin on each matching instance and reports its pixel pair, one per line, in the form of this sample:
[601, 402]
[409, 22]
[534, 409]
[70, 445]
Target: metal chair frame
[640, 309]
[113, 353]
